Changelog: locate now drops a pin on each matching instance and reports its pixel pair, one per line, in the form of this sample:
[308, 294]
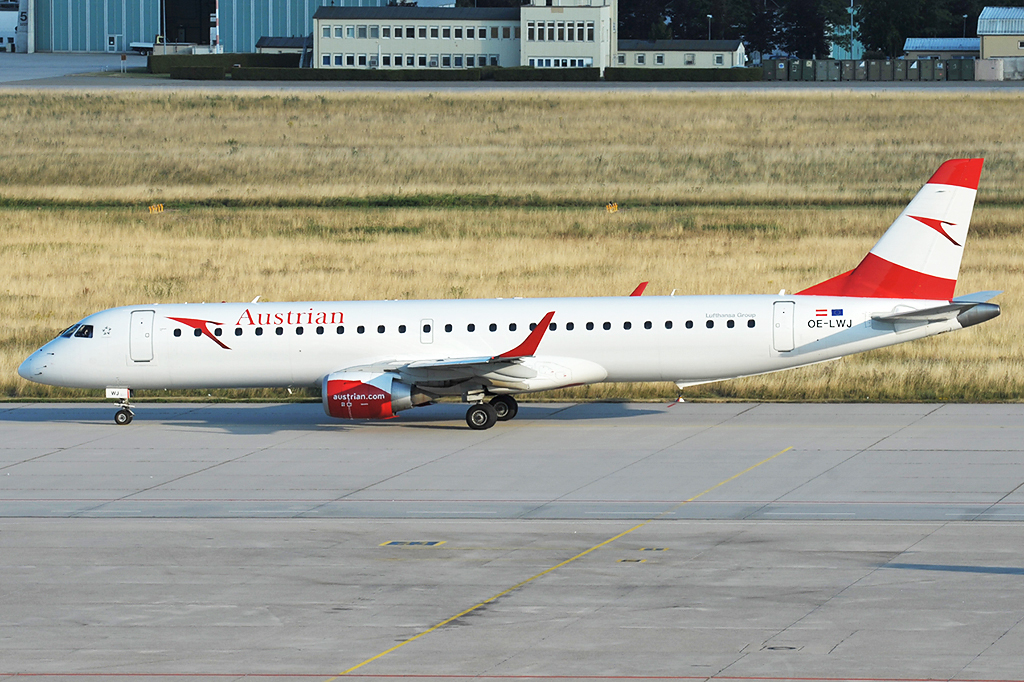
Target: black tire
[481, 416]
[506, 407]
[123, 417]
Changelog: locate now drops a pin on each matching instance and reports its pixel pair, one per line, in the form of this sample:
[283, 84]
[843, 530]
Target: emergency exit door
[782, 326]
[140, 340]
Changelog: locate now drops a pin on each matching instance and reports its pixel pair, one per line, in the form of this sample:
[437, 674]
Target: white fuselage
[684, 339]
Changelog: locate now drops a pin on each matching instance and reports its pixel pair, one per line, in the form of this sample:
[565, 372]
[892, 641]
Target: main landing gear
[485, 415]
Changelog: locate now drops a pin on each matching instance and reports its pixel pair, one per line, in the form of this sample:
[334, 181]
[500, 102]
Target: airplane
[373, 359]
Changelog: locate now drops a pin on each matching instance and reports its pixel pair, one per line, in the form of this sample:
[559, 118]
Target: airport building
[1001, 30]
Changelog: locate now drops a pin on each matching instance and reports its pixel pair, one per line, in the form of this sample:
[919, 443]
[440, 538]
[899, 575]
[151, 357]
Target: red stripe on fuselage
[878, 278]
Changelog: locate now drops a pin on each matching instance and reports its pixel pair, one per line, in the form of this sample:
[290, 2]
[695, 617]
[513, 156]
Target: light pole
[851, 29]
[709, 27]
[965, 26]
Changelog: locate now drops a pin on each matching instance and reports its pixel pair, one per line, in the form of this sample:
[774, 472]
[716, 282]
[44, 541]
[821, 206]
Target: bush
[689, 75]
[163, 63]
[270, 74]
[197, 73]
[529, 73]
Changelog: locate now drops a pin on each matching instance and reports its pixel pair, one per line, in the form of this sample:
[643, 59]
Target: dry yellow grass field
[721, 192]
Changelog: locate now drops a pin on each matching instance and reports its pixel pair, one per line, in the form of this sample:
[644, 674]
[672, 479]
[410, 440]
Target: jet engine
[364, 395]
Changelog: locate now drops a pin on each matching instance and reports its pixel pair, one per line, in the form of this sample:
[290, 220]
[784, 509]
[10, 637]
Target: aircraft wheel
[123, 417]
[481, 416]
[506, 407]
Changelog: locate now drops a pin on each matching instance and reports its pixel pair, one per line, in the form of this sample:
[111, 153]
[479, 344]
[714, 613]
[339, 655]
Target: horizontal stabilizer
[970, 309]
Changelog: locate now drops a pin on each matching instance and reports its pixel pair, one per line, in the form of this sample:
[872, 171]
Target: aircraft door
[426, 331]
[782, 326]
[140, 340]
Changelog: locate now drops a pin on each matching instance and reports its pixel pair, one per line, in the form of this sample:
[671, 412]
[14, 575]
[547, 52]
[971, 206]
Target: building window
[350, 31]
[470, 33]
[561, 31]
[470, 60]
[385, 60]
[410, 31]
[458, 33]
[422, 32]
[590, 31]
[350, 60]
[434, 31]
[446, 60]
[339, 31]
[494, 32]
[641, 59]
[529, 30]
[659, 59]
[410, 60]
[327, 60]
[494, 60]
[362, 60]
[621, 60]
[506, 32]
[361, 32]
[375, 31]
[398, 32]
[446, 32]
[433, 61]
[532, 63]
[1020, 44]
[481, 33]
[719, 59]
[327, 32]
[339, 60]
[385, 32]
[458, 61]
[689, 59]
[551, 30]
[422, 60]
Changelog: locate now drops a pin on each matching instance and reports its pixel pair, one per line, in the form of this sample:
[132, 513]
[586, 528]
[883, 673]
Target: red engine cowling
[362, 395]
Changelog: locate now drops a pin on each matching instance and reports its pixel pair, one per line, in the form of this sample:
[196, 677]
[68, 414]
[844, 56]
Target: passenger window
[259, 331]
[590, 326]
[710, 324]
[238, 331]
[84, 332]
[552, 327]
[750, 323]
[569, 326]
[279, 331]
[512, 327]
[401, 329]
[426, 329]
[298, 331]
[533, 325]
[730, 324]
[218, 331]
[668, 324]
[689, 324]
[607, 326]
[341, 329]
[627, 325]
[197, 332]
[360, 329]
[380, 329]
[493, 327]
[319, 330]
[447, 327]
[647, 324]
[177, 332]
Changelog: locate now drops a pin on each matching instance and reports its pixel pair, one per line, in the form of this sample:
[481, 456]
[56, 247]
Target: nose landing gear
[125, 415]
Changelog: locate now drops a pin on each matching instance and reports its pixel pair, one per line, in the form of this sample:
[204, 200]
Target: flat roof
[278, 41]
[414, 13]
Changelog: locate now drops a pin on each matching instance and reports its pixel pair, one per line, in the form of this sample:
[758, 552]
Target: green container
[834, 70]
[796, 70]
[860, 71]
[953, 70]
[821, 70]
[808, 69]
[967, 69]
[914, 70]
[849, 69]
[887, 70]
[782, 70]
[768, 67]
[939, 73]
[900, 71]
[874, 70]
[927, 69]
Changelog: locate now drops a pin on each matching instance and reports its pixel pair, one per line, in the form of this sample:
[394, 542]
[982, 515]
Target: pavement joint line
[557, 566]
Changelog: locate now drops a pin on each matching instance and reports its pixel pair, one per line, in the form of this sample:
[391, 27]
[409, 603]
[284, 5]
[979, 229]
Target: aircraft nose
[33, 366]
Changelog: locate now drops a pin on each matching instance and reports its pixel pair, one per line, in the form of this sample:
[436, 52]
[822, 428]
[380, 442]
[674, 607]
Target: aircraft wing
[458, 369]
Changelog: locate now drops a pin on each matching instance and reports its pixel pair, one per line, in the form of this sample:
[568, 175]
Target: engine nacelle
[364, 395]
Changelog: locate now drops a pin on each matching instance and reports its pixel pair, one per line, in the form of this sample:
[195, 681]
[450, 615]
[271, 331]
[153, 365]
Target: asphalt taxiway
[768, 541]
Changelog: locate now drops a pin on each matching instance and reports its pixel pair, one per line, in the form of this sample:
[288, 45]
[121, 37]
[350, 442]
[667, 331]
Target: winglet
[640, 289]
[529, 346]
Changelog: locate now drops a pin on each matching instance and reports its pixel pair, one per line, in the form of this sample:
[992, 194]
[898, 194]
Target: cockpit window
[84, 332]
[66, 334]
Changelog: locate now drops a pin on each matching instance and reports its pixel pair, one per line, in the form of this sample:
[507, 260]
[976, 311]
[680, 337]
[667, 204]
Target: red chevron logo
[201, 326]
[937, 226]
